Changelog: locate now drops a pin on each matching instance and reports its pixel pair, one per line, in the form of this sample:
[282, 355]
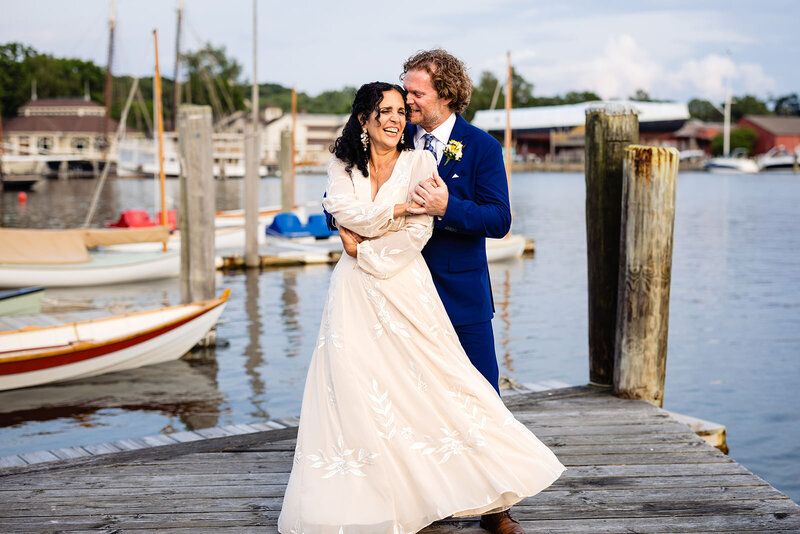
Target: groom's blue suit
[477, 208]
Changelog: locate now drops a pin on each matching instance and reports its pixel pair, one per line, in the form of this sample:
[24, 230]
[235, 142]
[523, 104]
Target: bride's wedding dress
[397, 428]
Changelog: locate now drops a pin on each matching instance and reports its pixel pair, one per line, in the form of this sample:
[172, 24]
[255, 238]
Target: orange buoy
[22, 197]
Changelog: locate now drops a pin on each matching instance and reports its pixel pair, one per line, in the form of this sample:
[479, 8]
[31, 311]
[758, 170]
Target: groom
[469, 202]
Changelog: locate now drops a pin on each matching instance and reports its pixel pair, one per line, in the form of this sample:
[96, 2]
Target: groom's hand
[430, 196]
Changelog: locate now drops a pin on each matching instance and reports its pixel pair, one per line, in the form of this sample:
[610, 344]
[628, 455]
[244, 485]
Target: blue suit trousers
[478, 342]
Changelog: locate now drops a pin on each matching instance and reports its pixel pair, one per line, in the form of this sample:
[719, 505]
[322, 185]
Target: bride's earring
[403, 138]
[364, 139]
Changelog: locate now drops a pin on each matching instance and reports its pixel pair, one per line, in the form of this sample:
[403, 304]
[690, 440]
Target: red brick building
[773, 131]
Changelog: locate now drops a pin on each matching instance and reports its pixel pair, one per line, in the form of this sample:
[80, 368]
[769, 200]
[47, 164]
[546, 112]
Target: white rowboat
[40, 355]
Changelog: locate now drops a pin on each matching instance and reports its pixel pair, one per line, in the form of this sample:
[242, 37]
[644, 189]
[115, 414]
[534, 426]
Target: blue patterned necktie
[429, 145]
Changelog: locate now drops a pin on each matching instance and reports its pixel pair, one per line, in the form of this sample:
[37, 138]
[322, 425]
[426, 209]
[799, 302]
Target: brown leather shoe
[501, 523]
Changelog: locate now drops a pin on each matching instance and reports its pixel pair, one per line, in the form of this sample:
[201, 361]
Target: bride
[397, 428]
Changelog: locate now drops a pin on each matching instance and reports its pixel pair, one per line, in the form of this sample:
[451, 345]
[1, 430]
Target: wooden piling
[645, 267]
[287, 174]
[251, 180]
[196, 203]
[795, 165]
[609, 129]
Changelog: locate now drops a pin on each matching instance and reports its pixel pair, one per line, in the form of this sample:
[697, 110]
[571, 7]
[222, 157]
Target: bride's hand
[350, 241]
[400, 210]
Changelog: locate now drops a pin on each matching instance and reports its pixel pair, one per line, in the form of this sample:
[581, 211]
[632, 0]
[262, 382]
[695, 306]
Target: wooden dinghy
[60, 258]
[40, 355]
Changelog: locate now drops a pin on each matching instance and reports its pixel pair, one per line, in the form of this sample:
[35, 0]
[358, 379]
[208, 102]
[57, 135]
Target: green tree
[482, 94]
[742, 137]
[641, 96]
[704, 110]
[55, 77]
[14, 78]
[747, 105]
[787, 105]
[212, 78]
[576, 97]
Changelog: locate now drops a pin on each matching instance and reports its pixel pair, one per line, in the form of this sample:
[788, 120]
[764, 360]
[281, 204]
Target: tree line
[212, 78]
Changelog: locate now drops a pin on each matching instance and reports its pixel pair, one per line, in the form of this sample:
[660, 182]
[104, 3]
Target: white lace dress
[397, 428]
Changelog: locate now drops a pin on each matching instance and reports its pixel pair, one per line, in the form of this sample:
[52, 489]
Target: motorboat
[736, 162]
[778, 158]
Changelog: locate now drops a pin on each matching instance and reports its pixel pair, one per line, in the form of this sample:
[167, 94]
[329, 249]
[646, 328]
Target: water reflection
[289, 311]
[253, 353]
[502, 302]
[182, 389]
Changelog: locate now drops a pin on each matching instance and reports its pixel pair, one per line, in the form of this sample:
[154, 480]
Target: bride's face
[386, 125]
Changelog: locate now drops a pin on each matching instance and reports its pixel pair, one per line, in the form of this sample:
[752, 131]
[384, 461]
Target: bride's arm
[367, 219]
[385, 256]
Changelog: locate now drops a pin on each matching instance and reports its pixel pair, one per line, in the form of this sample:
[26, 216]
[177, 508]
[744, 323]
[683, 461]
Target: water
[734, 342]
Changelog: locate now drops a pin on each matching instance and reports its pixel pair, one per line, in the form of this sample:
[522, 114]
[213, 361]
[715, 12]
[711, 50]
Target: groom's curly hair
[348, 146]
[448, 75]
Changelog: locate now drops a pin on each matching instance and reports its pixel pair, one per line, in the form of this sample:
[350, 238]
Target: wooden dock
[631, 468]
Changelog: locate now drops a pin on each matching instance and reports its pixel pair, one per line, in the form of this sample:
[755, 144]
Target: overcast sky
[675, 49]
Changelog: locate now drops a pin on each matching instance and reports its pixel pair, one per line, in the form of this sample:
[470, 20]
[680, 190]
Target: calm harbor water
[734, 343]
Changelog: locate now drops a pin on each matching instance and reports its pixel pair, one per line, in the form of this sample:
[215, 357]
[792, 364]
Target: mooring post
[196, 220]
[645, 267]
[251, 180]
[287, 176]
[609, 129]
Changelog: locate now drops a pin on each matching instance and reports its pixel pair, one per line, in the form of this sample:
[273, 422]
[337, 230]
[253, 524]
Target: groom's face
[428, 109]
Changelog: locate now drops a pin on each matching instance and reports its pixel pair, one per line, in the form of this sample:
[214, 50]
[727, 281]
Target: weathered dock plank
[631, 468]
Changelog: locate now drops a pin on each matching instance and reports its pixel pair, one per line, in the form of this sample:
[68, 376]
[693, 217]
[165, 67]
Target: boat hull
[102, 269]
[156, 342]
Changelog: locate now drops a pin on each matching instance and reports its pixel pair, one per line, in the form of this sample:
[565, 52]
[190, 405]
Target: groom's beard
[426, 121]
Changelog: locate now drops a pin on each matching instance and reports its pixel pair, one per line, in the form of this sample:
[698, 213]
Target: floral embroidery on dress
[452, 443]
[382, 406]
[343, 461]
[385, 320]
[416, 375]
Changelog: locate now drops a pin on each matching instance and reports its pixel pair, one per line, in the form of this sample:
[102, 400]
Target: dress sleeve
[385, 256]
[367, 219]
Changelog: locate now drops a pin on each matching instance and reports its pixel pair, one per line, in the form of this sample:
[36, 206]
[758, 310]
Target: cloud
[623, 68]
[708, 78]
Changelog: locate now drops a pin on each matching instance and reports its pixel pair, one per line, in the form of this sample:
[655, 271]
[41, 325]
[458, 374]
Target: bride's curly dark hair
[347, 146]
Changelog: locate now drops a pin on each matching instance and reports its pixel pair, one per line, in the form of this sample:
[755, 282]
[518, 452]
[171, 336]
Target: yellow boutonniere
[453, 150]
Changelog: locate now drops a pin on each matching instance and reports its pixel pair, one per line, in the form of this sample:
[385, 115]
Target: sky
[674, 50]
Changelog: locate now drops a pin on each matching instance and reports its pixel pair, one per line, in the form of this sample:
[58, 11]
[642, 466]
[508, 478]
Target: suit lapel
[459, 133]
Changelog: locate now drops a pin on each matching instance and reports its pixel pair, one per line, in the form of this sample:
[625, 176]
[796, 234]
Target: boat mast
[508, 123]
[176, 84]
[726, 135]
[726, 130]
[508, 132]
[160, 118]
[294, 135]
[107, 127]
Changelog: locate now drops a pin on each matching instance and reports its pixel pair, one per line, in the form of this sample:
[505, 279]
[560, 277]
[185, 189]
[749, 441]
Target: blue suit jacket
[478, 207]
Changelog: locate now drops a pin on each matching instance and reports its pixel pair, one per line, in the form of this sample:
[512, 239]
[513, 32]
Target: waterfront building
[773, 131]
[314, 135]
[697, 135]
[53, 127]
[557, 132]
